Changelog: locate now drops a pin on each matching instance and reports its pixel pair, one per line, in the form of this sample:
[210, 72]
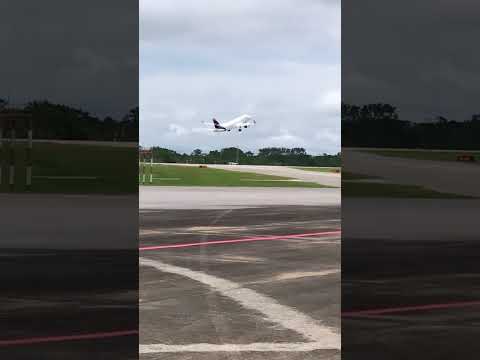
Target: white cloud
[277, 60]
[329, 100]
[330, 137]
[285, 139]
[177, 129]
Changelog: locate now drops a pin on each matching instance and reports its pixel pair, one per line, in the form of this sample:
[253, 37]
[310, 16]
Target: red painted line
[400, 309]
[260, 238]
[48, 339]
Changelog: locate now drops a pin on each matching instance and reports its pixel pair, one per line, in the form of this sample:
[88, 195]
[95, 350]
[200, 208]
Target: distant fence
[10, 123]
[145, 171]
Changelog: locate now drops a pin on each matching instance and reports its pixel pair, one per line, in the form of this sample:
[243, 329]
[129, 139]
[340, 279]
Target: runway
[410, 270]
[68, 222]
[323, 178]
[69, 304]
[443, 176]
[183, 197]
[239, 282]
[69, 275]
[408, 220]
[410, 275]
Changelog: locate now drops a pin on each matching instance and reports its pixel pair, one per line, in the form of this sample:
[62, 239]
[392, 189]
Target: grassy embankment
[74, 168]
[177, 175]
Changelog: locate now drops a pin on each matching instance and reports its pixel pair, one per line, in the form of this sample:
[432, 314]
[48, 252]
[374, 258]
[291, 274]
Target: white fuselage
[239, 123]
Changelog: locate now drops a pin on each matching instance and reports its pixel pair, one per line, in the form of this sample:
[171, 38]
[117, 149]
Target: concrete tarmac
[184, 197]
[239, 300]
[411, 219]
[69, 275]
[49, 296]
[413, 264]
[437, 285]
[443, 176]
[57, 221]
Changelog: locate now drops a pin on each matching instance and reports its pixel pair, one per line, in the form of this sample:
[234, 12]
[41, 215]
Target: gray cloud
[78, 53]
[277, 60]
[418, 55]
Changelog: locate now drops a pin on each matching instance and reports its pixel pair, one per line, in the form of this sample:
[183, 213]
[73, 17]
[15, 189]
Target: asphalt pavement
[443, 176]
[240, 283]
[410, 279]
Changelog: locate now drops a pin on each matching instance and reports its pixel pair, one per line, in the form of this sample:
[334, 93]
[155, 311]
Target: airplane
[239, 123]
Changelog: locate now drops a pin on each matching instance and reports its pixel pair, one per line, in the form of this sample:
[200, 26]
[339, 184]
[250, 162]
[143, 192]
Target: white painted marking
[289, 318]
[253, 347]
[217, 228]
[295, 275]
[239, 259]
[303, 274]
[161, 178]
[150, 232]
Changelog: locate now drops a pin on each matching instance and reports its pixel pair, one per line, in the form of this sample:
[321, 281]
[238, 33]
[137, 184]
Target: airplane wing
[241, 122]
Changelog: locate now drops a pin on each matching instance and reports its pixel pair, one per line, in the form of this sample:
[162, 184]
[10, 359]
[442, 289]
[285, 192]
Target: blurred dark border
[410, 175]
[68, 184]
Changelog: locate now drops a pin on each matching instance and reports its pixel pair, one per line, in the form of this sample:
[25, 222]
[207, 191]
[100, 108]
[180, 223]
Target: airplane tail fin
[216, 124]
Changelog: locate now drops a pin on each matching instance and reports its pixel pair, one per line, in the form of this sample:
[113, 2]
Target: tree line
[54, 121]
[265, 156]
[379, 125]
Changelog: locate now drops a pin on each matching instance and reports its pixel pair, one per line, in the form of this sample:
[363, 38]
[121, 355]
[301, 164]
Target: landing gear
[240, 129]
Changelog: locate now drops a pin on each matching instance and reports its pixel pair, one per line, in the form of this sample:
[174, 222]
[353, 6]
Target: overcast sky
[421, 56]
[277, 60]
[78, 53]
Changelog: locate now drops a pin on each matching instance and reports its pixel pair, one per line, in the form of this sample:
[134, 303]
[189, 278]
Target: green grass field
[177, 175]
[319, 169]
[425, 155]
[366, 189]
[72, 168]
